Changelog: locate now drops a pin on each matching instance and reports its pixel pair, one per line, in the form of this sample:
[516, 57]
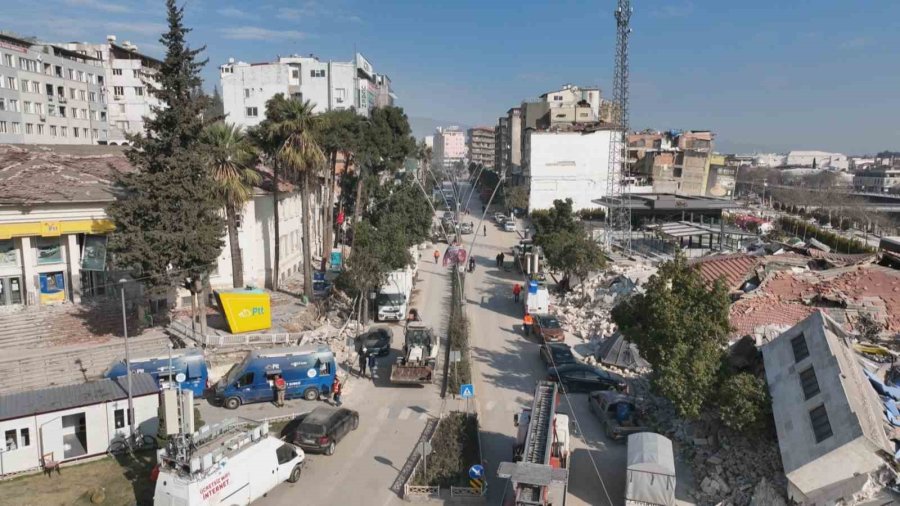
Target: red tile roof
[748, 314]
[734, 269]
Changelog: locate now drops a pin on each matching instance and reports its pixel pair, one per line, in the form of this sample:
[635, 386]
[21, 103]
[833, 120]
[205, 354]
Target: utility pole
[618, 217]
[127, 361]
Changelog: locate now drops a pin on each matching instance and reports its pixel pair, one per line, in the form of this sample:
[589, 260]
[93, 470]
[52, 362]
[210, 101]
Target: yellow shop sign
[245, 309]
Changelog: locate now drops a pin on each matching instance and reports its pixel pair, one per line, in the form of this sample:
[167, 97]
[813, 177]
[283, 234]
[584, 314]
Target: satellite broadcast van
[308, 371]
[232, 463]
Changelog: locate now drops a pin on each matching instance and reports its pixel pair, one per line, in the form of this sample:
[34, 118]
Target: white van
[228, 468]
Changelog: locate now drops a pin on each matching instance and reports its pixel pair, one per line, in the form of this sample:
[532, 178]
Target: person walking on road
[517, 289]
[336, 391]
[372, 367]
[485, 230]
[437, 255]
[502, 259]
[527, 322]
[497, 260]
[362, 364]
[280, 387]
[471, 264]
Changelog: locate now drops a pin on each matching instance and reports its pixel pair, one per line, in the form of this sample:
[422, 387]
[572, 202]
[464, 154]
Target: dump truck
[420, 350]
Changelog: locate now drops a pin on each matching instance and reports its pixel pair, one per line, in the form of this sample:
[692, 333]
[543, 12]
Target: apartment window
[557, 98]
[4, 127]
[72, 93]
[52, 130]
[62, 111]
[136, 73]
[75, 132]
[58, 70]
[22, 63]
[94, 131]
[48, 69]
[11, 441]
[317, 73]
[8, 59]
[71, 74]
[798, 344]
[35, 87]
[92, 96]
[2, 104]
[82, 95]
[340, 94]
[809, 383]
[2, 83]
[51, 109]
[118, 91]
[13, 105]
[820, 424]
[63, 132]
[29, 128]
[84, 132]
[40, 129]
[295, 74]
[252, 112]
[12, 83]
[80, 76]
[90, 78]
[24, 438]
[25, 86]
[15, 127]
[27, 106]
[139, 91]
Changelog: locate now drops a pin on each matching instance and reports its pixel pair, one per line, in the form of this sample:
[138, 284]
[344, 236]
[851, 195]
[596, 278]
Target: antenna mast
[618, 219]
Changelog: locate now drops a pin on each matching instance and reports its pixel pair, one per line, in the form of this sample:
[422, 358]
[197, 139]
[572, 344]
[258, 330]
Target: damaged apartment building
[672, 162]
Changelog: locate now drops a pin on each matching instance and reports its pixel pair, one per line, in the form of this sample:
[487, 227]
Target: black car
[557, 354]
[320, 429]
[375, 342]
[586, 378]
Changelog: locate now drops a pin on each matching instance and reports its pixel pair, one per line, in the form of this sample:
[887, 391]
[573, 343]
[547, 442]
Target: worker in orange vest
[280, 387]
[527, 323]
[517, 289]
[437, 254]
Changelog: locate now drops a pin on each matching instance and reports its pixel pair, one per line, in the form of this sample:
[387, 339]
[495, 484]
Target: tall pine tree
[169, 227]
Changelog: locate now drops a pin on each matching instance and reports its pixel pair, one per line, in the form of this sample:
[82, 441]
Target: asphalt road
[366, 464]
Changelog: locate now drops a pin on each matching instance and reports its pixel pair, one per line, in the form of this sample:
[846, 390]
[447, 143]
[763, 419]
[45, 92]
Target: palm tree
[301, 157]
[231, 157]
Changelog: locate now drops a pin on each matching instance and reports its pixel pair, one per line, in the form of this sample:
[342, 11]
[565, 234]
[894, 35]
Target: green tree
[424, 154]
[681, 327]
[385, 143]
[573, 254]
[215, 108]
[516, 197]
[743, 402]
[339, 134]
[231, 157]
[168, 225]
[403, 204]
[302, 158]
[559, 218]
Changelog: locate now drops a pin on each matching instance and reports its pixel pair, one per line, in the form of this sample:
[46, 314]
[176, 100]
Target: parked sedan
[509, 226]
[557, 354]
[499, 218]
[321, 429]
[548, 328]
[376, 341]
[586, 378]
[466, 228]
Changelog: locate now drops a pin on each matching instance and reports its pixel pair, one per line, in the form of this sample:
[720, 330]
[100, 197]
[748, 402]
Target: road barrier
[184, 332]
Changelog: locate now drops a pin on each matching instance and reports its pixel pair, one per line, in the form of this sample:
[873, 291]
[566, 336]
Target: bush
[744, 402]
[454, 450]
[592, 214]
[838, 243]
[458, 338]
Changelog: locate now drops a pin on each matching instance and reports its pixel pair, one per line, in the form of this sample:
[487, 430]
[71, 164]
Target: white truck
[392, 300]
[232, 463]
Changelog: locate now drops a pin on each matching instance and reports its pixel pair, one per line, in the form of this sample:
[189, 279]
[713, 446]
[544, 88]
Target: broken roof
[733, 269]
[843, 293]
[44, 174]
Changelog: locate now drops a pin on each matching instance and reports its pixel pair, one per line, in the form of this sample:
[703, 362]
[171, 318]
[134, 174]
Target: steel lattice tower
[618, 218]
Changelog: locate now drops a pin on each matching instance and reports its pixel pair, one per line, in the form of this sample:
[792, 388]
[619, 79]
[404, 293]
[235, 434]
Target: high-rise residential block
[481, 146]
[449, 147]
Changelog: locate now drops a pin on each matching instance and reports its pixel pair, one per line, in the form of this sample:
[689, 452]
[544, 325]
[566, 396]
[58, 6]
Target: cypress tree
[169, 227]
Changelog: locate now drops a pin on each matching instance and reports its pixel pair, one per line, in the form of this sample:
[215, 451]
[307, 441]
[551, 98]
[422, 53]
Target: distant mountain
[426, 126]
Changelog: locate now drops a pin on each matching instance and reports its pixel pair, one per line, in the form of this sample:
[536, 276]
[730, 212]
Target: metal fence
[184, 332]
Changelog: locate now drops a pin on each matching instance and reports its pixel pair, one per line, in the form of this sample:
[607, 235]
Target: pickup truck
[620, 414]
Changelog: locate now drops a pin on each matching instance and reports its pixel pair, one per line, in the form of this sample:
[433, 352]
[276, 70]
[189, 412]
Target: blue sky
[802, 74]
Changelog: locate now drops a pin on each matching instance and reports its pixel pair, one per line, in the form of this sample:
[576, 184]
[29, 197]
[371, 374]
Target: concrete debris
[765, 494]
[875, 486]
[585, 311]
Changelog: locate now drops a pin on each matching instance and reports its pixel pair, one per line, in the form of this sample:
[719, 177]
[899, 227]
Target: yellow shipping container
[245, 309]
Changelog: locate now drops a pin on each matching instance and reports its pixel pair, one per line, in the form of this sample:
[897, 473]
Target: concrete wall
[810, 465]
[568, 165]
[46, 432]
[263, 82]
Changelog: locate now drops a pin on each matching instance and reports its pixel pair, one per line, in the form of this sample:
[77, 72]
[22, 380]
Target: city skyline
[766, 77]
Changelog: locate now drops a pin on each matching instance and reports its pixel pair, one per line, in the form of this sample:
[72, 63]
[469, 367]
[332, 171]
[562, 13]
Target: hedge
[458, 336]
[454, 449]
[837, 243]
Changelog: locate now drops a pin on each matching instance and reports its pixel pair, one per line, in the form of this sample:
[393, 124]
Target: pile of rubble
[728, 468]
[585, 311]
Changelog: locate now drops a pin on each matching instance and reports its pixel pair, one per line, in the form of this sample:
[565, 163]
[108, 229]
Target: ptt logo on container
[248, 312]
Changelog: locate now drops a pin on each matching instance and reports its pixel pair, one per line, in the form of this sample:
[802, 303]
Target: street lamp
[127, 361]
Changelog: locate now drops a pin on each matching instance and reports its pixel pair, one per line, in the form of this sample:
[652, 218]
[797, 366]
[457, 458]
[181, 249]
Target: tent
[616, 351]
[650, 476]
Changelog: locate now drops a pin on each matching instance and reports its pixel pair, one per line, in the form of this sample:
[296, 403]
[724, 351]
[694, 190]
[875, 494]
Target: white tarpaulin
[650, 476]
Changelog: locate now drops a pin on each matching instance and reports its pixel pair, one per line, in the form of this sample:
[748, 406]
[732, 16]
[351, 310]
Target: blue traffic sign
[476, 472]
[467, 391]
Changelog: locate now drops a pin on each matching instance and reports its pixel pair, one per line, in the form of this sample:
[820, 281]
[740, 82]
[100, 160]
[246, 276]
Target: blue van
[308, 372]
[188, 361]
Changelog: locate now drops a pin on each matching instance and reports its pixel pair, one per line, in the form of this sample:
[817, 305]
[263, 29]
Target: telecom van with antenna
[232, 463]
